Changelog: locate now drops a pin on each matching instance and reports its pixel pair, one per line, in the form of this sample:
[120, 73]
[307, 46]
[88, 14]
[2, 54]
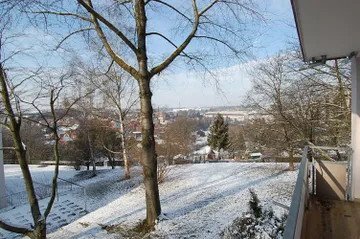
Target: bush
[163, 171]
[254, 204]
[256, 223]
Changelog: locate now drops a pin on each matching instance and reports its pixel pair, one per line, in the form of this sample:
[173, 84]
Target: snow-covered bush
[256, 223]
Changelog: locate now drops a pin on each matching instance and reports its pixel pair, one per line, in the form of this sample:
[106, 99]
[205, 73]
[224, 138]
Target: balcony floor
[331, 219]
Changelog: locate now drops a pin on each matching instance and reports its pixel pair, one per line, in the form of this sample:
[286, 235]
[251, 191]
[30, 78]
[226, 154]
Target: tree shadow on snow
[231, 191]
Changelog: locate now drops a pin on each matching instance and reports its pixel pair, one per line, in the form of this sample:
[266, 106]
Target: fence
[43, 191]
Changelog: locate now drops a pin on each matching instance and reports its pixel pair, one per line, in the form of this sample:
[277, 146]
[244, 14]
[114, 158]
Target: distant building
[255, 156]
[240, 116]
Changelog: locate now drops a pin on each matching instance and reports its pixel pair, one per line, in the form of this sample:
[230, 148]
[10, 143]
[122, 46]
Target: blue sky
[177, 85]
[189, 89]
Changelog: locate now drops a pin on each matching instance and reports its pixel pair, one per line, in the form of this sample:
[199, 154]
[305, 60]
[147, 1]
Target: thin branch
[61, 14]
[173, 8]
[123, 2]
[98, 16]
[109, 150]
[164, 37]
[208, 7]
[220, 41]
[172, 43]
[180, 49]
[73, 33]
[105, 42]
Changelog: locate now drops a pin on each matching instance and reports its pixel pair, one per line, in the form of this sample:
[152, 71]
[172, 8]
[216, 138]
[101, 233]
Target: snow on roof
[226, 113]
[204, 150]
[179, 156]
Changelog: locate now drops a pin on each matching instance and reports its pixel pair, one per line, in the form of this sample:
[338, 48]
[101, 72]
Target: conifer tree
[219, 134]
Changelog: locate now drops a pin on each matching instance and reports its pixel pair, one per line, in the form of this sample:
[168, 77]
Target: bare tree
[13, 112]
[117, 88]
[119, 92]
[177, 138]
[15, 100]
[204, 21]
[237, 139]
[302, 106]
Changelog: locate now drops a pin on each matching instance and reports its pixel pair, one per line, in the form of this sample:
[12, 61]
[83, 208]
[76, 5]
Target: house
[255, 156]
[180, 159]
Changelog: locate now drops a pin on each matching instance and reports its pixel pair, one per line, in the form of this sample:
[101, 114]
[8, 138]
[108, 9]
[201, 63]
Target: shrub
[256, 223]
[162, 172]
[254, 204]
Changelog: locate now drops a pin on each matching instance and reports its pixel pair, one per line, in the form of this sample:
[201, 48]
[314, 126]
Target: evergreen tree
[219, 134]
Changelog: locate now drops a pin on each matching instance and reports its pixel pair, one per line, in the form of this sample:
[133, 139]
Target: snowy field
[198, 200]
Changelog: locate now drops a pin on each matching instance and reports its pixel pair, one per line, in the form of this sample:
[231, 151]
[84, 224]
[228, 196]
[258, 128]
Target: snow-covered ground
[107, 186]
[15, 183]
[198, 200]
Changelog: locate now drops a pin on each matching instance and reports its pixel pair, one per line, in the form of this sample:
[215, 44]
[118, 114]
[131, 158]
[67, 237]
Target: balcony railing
[320, 175]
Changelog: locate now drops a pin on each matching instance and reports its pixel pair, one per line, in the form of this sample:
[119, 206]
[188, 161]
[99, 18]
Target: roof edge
[298, 30]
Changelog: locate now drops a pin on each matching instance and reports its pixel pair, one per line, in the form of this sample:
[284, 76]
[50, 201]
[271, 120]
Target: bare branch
[73, 33]
[123, 2]
[61, 14]
[173, 8]
[104, 40]
[208, 7]
[109, 150]
[98, 16]
[164, 37]
[15, 229]
[180, 49]
[220, 41]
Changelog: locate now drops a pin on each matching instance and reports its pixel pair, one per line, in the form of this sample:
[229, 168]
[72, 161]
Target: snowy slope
[198, 200]
[107, 186]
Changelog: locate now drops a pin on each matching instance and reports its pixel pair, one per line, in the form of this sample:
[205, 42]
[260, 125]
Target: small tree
[219, 134]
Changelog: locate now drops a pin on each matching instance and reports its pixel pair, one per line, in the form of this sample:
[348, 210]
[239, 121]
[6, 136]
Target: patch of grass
[140, 230]
[84, 224]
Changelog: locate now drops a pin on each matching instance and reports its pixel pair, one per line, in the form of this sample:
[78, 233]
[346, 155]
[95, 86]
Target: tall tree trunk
[148, 155]
[92, 156]
[122, 138]
[291, 160]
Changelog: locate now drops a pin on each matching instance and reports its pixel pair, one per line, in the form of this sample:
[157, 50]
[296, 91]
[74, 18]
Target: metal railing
[43, 191]
[299, 200]
[72, 184]
[306, 180]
